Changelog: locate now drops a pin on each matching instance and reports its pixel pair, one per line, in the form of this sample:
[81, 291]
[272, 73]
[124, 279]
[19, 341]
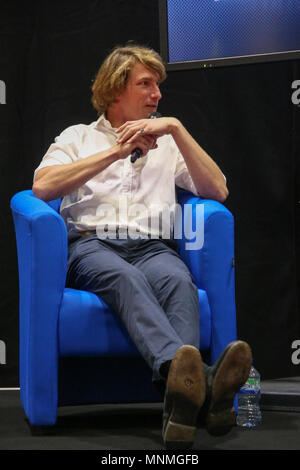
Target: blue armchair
[73, 347]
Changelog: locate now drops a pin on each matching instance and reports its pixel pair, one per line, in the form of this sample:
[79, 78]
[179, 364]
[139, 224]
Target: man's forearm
[59, 180]
[206, 174]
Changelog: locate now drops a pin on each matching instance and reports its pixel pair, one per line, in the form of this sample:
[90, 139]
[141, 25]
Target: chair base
[39, 430]
[93, 380]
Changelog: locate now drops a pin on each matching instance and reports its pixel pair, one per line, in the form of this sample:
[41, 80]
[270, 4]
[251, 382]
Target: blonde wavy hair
[112, 77]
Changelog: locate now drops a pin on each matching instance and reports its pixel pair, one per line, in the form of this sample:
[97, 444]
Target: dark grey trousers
[148, 286]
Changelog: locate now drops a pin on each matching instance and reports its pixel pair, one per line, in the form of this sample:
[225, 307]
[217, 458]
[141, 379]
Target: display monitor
[212, 33]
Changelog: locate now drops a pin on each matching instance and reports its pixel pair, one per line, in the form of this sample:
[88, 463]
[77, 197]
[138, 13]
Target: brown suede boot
[223, 381]
[184, 396]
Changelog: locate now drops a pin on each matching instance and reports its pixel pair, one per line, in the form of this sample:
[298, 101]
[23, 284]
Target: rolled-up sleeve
[63, 150]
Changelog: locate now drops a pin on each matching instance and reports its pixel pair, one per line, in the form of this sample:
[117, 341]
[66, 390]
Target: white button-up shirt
[137, 197]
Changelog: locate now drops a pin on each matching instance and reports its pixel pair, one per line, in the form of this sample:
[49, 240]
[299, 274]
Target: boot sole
[186, 390]
[231, 375]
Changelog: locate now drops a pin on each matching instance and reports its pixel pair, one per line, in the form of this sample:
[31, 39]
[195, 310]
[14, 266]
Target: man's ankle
[164, 369]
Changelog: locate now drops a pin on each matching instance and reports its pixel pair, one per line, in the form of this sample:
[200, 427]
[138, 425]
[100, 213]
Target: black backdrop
[243, 116]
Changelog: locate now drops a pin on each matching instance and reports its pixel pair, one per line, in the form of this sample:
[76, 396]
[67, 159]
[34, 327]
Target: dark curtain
[243, 116]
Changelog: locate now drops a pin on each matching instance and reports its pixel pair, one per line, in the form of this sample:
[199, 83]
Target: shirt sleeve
[183, 178]
[63, 150]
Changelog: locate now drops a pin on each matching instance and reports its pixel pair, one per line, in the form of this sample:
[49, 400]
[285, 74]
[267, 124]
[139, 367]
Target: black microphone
[137, 153]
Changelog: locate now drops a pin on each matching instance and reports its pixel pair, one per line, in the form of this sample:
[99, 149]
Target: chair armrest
[212, 265]
[42, 259]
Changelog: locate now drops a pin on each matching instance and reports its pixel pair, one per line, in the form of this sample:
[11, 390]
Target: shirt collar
[103, 122]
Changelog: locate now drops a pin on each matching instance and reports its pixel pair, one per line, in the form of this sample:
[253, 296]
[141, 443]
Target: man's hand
[131, 131]
[143, 142]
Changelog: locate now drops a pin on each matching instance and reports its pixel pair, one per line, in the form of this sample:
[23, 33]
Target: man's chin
[147, 114]
[151, 110]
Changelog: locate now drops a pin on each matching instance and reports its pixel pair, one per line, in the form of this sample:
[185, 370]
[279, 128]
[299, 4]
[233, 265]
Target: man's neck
[115, 118]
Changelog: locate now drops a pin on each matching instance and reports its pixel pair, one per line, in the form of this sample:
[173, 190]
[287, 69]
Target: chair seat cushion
[89, 327]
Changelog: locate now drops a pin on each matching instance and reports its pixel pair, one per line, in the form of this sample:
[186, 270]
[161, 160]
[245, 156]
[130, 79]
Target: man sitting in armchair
[120, 243]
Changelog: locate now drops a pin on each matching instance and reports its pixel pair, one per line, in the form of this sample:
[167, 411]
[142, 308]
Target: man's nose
[156, 92]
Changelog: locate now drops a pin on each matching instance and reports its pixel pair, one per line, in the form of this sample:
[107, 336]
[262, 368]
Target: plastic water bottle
[249, 414]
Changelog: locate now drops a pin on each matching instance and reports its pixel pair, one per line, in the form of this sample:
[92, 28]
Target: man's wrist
[174, 127]
[117, 153]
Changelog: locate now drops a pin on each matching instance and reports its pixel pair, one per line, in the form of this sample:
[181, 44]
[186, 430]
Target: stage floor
[134, 427]
[281, 394]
